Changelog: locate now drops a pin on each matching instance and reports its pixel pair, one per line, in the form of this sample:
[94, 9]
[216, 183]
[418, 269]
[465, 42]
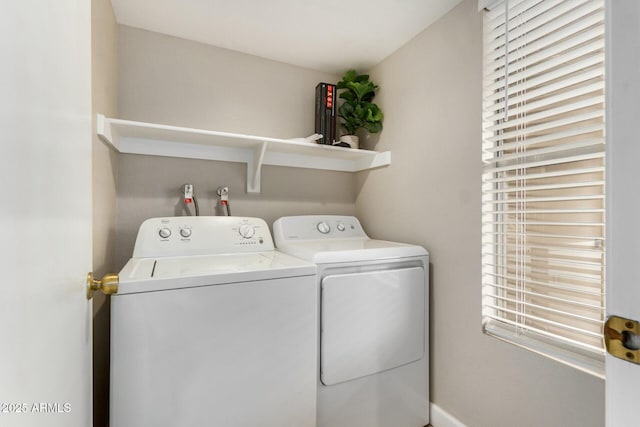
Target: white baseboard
[441, 418]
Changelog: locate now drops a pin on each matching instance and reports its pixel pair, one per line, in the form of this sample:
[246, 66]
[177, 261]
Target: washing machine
[373, 365]
[213, 327]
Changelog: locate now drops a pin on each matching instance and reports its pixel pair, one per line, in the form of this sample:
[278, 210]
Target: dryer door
[371, 322]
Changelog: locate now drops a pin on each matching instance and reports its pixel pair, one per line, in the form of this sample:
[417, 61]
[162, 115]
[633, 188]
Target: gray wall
[430, 195]
[168, 80]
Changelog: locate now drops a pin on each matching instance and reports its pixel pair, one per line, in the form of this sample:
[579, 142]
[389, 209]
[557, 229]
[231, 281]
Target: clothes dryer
[213, 327]
[373, 365]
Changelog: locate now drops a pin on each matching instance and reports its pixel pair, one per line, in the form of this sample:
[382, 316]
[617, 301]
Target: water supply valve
[190, 197]
[223, 196]
[188, 194]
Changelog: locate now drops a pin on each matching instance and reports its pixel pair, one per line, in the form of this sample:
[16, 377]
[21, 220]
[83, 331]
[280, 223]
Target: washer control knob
[340, 226]
[185, 232]
[323, 227]
[164, 232]
[247, 231]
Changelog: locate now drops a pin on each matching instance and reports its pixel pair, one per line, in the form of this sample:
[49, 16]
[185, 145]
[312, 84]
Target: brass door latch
[108, 285]
[621, 338]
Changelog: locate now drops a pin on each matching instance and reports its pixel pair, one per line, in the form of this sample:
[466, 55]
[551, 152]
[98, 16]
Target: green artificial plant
[357, 111]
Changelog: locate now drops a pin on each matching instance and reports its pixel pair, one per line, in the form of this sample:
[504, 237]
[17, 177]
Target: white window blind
[543, 177]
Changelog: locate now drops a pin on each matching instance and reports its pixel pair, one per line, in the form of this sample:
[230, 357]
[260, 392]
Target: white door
[45, 213]
[623, 199]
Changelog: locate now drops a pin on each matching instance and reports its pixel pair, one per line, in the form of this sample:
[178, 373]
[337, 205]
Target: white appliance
[213, 327]
[373, 368]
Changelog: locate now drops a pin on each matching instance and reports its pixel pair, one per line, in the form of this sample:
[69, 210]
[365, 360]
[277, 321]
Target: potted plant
[357, 111]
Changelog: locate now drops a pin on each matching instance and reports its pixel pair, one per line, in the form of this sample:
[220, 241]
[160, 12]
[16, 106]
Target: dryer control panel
[201, 235]
[317, 227]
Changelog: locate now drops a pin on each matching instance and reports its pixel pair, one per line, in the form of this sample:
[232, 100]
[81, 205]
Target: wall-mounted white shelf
[171, 141]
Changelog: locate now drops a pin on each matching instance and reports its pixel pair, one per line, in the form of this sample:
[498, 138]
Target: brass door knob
[108, 285]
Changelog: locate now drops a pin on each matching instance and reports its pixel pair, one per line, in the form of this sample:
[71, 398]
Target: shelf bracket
[254, 168]
[103, 129]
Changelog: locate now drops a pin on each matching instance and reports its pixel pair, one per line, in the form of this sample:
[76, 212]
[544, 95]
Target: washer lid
[349, 250]
[162, 273]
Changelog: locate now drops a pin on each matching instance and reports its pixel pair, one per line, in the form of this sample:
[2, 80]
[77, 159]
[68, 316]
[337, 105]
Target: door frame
[623, 197]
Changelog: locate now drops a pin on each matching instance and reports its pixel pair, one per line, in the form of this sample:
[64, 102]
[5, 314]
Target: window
[543, 177]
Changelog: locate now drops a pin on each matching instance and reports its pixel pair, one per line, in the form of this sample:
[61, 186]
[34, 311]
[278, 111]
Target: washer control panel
[317, 227]
[201, 235]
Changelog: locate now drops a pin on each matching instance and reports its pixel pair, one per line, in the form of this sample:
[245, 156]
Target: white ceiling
[327, 35]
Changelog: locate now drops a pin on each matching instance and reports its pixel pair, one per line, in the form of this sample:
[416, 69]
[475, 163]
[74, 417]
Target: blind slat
[545, 187]
[553, 285]
[574, 118]
[552, 236]
[530, 17]
[517, 8]
[528, 305]
[543, 175]
[491, 169]
[554, 148]
[570, 251]
[556, 136]
[529, 79]
[549, 273]
[518, 111]
[496, 18]
[586, 293]
[571, 302]
[550, 199]
[562, 83]
[569, 263]
[577, 21]
[553, 269]
[579, 45]
[549, 223]
[584, 251]
[558, 337]
[546, 321]
[528, 117]
[579, 253]
[546, 211]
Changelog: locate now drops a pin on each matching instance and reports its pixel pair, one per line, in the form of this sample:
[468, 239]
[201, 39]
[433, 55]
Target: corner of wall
[104, 172]
[104, 100]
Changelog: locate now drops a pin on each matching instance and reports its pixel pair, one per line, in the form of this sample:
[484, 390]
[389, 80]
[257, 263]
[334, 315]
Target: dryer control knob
[323, 227]
[340, 227]
[247, 231]
[185, 232]
[164, 233]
